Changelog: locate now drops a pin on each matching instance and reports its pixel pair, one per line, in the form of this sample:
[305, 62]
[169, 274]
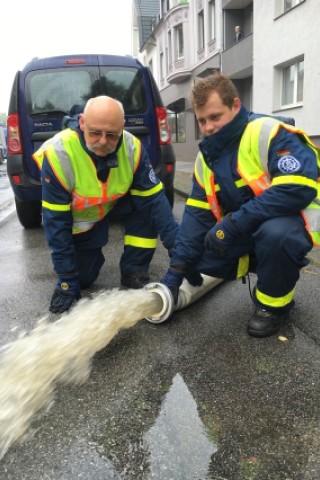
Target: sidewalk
[183, 178]
[7, 205]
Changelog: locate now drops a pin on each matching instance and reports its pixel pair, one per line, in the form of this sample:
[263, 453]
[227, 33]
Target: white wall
[277, 40]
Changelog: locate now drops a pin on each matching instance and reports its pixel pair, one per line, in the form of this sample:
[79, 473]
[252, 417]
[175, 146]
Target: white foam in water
[61, 352]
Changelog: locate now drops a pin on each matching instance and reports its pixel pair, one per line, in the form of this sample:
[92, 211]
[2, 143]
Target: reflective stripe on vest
[253, 168]
[205, 178]
[75, 170]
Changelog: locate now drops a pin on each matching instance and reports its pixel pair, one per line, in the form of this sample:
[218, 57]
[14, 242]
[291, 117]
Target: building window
[164, 7]
[167, 61]
[284, 6]
[169, 49]
[179, 41]
[177, 123]
[200, 30]
[211, 19]
[292, 84]
[197, 134]
[289, 4]
[161, 66]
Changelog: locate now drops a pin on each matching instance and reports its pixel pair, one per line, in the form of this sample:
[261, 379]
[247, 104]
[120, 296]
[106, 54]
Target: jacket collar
[226, 138]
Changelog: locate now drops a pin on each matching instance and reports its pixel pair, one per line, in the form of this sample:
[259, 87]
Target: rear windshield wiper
[48, 113]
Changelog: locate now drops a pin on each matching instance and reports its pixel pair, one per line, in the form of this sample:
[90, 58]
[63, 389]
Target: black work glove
[222, 236]
[67, 292]
[194, 278]
[173, 279]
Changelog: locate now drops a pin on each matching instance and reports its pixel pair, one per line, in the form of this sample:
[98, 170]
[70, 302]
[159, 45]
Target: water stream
[60, 353]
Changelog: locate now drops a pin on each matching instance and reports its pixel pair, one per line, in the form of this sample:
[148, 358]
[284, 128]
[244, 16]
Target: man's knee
[278, 230]
[283, 237]
[272, 231]
[89, 265]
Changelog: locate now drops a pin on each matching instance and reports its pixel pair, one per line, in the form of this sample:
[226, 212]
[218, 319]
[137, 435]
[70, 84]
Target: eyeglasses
[110, 136]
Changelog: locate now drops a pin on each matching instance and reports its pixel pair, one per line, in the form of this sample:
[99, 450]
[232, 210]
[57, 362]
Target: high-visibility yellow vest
[252, 167]
[76, 171]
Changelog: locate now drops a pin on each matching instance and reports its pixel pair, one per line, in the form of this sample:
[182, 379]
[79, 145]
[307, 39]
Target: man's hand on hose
[67, 292]
[194, 278]
[222, 236]
[173, 279]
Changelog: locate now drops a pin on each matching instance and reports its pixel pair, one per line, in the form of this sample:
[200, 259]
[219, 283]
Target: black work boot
[264, 323]
[135, 280]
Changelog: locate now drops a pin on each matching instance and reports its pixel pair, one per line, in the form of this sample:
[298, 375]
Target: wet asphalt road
[195, 398]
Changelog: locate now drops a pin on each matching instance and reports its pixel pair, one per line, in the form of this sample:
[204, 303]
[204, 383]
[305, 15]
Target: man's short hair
[216, 82]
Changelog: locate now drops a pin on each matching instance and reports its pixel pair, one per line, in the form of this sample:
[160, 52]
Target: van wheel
[29, 213]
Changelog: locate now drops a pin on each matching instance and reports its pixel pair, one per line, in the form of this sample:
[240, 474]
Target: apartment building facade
[274, 64]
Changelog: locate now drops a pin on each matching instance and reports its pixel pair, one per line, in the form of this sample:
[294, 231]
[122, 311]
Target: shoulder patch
[288, 164]
[153, 177]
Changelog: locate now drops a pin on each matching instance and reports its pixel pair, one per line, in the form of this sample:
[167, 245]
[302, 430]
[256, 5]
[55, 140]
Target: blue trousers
[277, 249]
[133, 259]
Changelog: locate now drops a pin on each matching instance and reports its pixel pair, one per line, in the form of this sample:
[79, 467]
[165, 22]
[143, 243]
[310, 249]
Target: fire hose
[187, 295]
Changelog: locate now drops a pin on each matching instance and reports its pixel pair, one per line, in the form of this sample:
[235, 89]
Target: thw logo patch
[288, 164]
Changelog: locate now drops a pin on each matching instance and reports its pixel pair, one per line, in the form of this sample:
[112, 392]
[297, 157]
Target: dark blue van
[48, 89]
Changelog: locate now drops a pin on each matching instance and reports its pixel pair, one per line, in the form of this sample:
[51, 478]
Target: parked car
[47, 89]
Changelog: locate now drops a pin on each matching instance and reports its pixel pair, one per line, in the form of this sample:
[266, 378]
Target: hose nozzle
[187, 295]
[167, 302]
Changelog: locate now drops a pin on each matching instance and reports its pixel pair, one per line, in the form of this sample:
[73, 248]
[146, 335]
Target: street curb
[6, 204]
[180, 192]
[182, 183]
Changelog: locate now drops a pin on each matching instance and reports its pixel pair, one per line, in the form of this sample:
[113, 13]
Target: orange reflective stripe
[260, 184]
[80, 203]
[212, 199]
[205, 178]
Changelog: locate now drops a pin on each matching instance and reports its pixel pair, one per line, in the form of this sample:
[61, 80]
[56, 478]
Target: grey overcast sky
[37, 28]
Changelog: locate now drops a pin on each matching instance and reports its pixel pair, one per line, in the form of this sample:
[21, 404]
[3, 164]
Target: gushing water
[61, 352]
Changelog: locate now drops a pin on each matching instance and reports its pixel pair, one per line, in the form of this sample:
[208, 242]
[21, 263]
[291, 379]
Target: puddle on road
[157, 433]
[178, 444]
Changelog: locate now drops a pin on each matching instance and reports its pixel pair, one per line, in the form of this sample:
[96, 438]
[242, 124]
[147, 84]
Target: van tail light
[17, 179]
[14, 135]
[163, 126]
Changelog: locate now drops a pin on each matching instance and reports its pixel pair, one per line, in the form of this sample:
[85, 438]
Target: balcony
[237, 60]
[178, 71]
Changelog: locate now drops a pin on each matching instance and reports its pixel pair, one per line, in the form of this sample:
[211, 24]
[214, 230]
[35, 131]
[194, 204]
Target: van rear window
[56, 91]
[126, 85]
